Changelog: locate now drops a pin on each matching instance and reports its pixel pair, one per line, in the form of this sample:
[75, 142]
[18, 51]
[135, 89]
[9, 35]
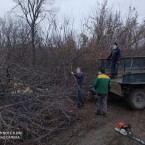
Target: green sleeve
[109, 85]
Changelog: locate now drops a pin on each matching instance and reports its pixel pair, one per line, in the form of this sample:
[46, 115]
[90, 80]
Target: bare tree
[33, 11]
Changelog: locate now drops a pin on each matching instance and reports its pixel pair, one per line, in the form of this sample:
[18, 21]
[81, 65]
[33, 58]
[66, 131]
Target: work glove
[117, 62]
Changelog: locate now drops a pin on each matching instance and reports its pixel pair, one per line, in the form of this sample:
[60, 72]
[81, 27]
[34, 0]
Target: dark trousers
[102, 103]
[80, 98]
[114, 69]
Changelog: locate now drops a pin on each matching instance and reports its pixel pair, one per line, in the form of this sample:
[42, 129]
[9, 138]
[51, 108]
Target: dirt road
[91, 129]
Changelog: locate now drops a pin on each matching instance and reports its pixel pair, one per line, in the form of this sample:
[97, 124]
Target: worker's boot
[104, 114]
[98, 112]
[115, 75]
[78, 105]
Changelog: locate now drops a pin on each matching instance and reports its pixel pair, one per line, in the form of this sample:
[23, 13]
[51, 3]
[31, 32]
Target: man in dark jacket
[102, 86]
[115, 60]
[79, 76]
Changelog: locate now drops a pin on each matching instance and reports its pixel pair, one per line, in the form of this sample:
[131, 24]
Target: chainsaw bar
[130, 135]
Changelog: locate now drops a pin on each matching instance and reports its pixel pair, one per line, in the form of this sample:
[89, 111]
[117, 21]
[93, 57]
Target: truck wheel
[136, 99]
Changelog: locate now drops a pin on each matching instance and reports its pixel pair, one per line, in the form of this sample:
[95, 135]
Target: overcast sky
[81, 8]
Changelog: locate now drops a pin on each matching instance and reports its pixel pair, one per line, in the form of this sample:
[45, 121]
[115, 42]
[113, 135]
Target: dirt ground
[90, 129]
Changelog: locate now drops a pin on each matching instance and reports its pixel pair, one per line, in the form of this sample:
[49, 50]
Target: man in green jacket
[102, 86]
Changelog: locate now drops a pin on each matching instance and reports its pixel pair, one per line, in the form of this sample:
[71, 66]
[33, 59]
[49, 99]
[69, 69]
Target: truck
[130, 81]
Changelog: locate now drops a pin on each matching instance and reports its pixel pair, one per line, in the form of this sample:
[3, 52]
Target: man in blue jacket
[79, 76]
[115, 60]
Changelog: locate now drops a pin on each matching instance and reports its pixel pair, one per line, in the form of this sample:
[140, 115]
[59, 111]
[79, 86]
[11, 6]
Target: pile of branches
[37, 108]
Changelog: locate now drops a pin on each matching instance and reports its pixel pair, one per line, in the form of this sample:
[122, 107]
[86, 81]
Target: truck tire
[136, 99]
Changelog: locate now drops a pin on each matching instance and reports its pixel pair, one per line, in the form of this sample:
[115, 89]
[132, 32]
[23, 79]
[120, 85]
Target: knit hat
[102, 70]
[115, 44]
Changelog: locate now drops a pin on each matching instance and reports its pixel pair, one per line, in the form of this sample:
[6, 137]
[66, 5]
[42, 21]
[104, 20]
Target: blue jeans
[80, 98]
[114, 69]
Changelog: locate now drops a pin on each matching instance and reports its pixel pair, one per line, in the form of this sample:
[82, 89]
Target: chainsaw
[125, 129]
